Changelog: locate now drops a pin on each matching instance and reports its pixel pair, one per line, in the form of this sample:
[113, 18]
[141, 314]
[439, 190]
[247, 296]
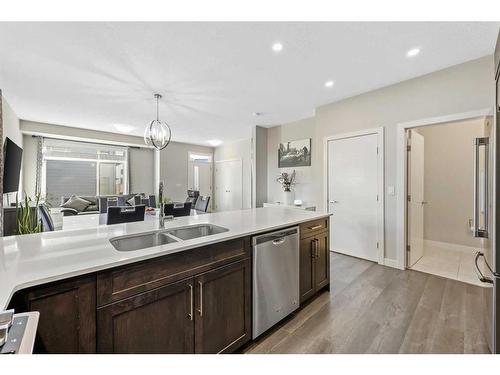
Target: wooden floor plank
[418, 338]
[376, 309]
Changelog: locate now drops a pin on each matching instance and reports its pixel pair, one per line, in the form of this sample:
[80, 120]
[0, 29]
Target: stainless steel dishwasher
[275, 277]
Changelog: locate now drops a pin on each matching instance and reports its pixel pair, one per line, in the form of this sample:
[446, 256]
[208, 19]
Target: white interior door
[352, 195]
[416, 202]
[228, 185]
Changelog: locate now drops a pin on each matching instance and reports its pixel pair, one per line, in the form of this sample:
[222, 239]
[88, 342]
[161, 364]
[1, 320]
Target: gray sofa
[92, 209]
[99, 204]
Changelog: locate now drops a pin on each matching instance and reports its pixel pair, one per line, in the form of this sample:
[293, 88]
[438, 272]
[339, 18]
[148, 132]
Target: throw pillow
[131, 201]
[76, 203]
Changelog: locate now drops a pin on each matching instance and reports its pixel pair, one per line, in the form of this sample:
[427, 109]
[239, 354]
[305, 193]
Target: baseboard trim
[391, 263]
[452, 246]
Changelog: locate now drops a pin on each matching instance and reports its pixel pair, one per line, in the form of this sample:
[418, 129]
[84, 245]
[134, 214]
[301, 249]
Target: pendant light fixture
[158, 132]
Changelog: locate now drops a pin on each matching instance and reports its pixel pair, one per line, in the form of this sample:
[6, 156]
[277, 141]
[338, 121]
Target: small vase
[288, 197]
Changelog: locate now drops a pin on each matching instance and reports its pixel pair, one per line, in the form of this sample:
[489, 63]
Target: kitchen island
[187, 296]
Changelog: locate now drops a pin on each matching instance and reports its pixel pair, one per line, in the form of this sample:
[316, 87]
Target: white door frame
[215, 167]
[380, 180]
[401, 170]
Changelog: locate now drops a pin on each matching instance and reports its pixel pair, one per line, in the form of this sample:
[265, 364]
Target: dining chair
[47, 223]
[192, 196]
[178, 209]
[202, 204]
[152, 201]
[126, 214]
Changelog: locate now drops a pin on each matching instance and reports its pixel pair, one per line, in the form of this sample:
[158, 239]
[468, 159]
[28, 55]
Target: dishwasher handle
[277, 238]
[279, 241]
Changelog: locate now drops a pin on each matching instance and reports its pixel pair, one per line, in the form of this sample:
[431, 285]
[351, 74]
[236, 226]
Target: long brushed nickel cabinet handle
[315, 227]
[191, 299]
[200, 310]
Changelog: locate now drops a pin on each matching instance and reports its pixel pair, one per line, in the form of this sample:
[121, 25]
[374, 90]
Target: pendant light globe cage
[157, 133]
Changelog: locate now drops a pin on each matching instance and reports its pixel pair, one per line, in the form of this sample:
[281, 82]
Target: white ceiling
[214, 76]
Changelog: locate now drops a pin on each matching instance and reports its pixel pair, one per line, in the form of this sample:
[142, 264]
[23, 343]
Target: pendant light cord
[158, 97]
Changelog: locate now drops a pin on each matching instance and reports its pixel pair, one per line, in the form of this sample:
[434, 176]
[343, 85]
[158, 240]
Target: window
[86, 169]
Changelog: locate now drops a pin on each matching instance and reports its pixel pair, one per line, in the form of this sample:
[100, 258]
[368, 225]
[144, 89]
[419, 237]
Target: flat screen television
[13, 155]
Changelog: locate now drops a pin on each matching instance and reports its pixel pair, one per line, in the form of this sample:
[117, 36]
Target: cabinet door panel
[322, 260]
[306, 262]
[158, 321]
[67, 316]
[223, 308]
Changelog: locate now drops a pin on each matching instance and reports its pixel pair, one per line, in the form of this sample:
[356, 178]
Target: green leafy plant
[27, 215]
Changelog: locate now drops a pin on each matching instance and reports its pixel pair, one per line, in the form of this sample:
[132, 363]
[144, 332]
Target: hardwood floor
[377, 309]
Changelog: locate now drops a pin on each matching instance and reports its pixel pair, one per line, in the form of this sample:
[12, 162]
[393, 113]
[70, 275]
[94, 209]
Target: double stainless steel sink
[164, 236]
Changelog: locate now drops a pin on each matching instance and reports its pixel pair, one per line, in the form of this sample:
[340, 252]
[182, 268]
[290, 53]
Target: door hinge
[407, 247]
[409, 198]
[377, 197]
[408, 148]
[377, 245]
[377, 150]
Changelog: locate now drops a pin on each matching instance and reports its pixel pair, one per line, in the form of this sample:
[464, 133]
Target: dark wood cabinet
[307, 265]
[223, 308]
[322, 260]
[194, 301]
[210, 313]
[67, 316]
[314, 258]
[132, 279]
[157, 321]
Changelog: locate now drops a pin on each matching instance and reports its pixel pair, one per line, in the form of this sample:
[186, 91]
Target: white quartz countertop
[35, 259]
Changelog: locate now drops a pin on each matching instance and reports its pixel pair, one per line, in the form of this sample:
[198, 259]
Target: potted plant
[27, 220]
[287, 180]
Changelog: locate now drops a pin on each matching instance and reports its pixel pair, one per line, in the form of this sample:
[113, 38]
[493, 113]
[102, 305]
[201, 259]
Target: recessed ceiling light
[214, 142]
[124, 128]
[277, 47]
[258, 114]
[329, 83]
[413, 52]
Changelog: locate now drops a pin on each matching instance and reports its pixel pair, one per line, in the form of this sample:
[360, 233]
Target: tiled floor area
[441, 260]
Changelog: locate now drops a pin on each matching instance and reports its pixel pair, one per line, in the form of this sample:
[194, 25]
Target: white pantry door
[228, 185]
[353, 194]
[416, 202]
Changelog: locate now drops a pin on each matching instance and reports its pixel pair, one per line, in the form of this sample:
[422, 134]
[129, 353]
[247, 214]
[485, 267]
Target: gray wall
[448, 188]
[260, 156]
[141, 170]
[174, 168]
[461, 88]
[306, 179]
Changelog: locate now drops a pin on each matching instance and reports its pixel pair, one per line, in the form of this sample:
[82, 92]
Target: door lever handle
[480, 275]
